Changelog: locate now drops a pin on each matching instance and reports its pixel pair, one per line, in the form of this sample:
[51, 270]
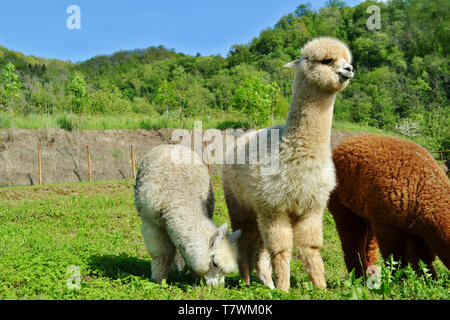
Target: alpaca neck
[310, 117]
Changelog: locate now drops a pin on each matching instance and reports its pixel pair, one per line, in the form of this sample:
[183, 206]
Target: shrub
[66, 122]
[408, 128]
[141, 105]
[149, 124]
[233, 124]
[4, 122]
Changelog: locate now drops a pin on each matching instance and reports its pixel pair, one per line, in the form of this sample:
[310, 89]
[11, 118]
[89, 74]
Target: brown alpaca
[391, 193]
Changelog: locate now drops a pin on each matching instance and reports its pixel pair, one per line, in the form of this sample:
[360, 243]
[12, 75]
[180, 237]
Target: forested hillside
[401, 83]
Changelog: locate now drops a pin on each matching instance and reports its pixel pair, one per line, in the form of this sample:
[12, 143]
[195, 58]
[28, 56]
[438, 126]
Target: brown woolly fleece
[391, 193]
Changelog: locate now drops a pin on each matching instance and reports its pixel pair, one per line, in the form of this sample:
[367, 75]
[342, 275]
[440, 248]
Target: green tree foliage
[166, 99]
[78, 89]
[258, 100]
[335, 4]
[402, 72]
[10, 86]
[303, 9]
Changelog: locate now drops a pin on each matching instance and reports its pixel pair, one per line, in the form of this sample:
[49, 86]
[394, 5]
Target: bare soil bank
[64, 155]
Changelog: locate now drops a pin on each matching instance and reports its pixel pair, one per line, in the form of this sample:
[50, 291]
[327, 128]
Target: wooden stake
[89, 162]
[40, 164]
[133, 166]
[205, 144]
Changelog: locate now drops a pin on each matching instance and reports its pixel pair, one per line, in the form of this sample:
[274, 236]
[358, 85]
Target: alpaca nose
[212, 281]
[348, 67]
[346, 71]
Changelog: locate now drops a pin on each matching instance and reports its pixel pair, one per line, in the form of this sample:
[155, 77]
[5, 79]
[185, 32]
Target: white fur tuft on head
[218, 236]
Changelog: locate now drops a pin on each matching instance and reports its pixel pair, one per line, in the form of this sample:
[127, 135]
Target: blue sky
[190, 26]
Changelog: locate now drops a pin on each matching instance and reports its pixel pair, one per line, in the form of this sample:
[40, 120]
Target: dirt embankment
[64, 154]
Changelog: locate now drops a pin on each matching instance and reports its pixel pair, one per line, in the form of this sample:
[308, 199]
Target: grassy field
[131, 121]
[218, 120]
[115, 122]
[94, 226]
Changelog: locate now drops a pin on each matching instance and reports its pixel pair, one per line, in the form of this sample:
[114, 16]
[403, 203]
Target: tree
[256, 99]
[181, 85]
[166, 99]
[402, 71]
[335, 4]
[11, 87]
[238, 54]
[303, 10]
[78, 88]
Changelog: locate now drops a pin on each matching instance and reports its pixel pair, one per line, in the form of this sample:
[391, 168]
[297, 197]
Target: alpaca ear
[236, 235]
[293, 64]
[218, 236]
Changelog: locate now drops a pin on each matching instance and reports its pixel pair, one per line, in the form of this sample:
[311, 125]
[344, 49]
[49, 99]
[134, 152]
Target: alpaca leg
[437, 237]
[276, 231]
[308, 238]
[371, 253]
[357, 237]
[391, 240]
[178, 262]
[417, 249]
[245, 221]
[244, 256]
[160, 248]
[404, 247]
[264, 267]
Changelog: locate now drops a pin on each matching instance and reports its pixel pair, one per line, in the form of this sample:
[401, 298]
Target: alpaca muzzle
[346, 71]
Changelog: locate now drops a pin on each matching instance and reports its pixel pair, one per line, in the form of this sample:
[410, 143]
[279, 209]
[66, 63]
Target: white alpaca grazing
[175, 202]
[276, 210]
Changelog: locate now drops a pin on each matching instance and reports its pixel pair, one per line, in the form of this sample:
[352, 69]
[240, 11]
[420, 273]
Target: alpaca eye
[215, 265]
[326, 61]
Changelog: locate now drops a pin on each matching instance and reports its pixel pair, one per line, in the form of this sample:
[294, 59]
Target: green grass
[46, 229]
[216, 120]
[114, 122]
[221, 120]
[131, 121]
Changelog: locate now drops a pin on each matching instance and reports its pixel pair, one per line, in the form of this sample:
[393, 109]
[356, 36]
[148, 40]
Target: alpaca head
[223, 255]
[325, 63]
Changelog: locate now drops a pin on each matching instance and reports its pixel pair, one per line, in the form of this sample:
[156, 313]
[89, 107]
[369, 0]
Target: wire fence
[89, 163]
[86, 173]
[443, 156]
[440, 155]
[88, 159]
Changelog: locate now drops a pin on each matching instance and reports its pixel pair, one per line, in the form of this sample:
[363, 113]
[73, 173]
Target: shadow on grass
[121, 266]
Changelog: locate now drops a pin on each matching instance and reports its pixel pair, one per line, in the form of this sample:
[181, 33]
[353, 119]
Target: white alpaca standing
[175, 202]
[287, 207]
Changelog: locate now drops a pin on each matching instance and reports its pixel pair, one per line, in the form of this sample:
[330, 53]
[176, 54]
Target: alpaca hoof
[321, 284]
[268, 282]
[283, 287]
